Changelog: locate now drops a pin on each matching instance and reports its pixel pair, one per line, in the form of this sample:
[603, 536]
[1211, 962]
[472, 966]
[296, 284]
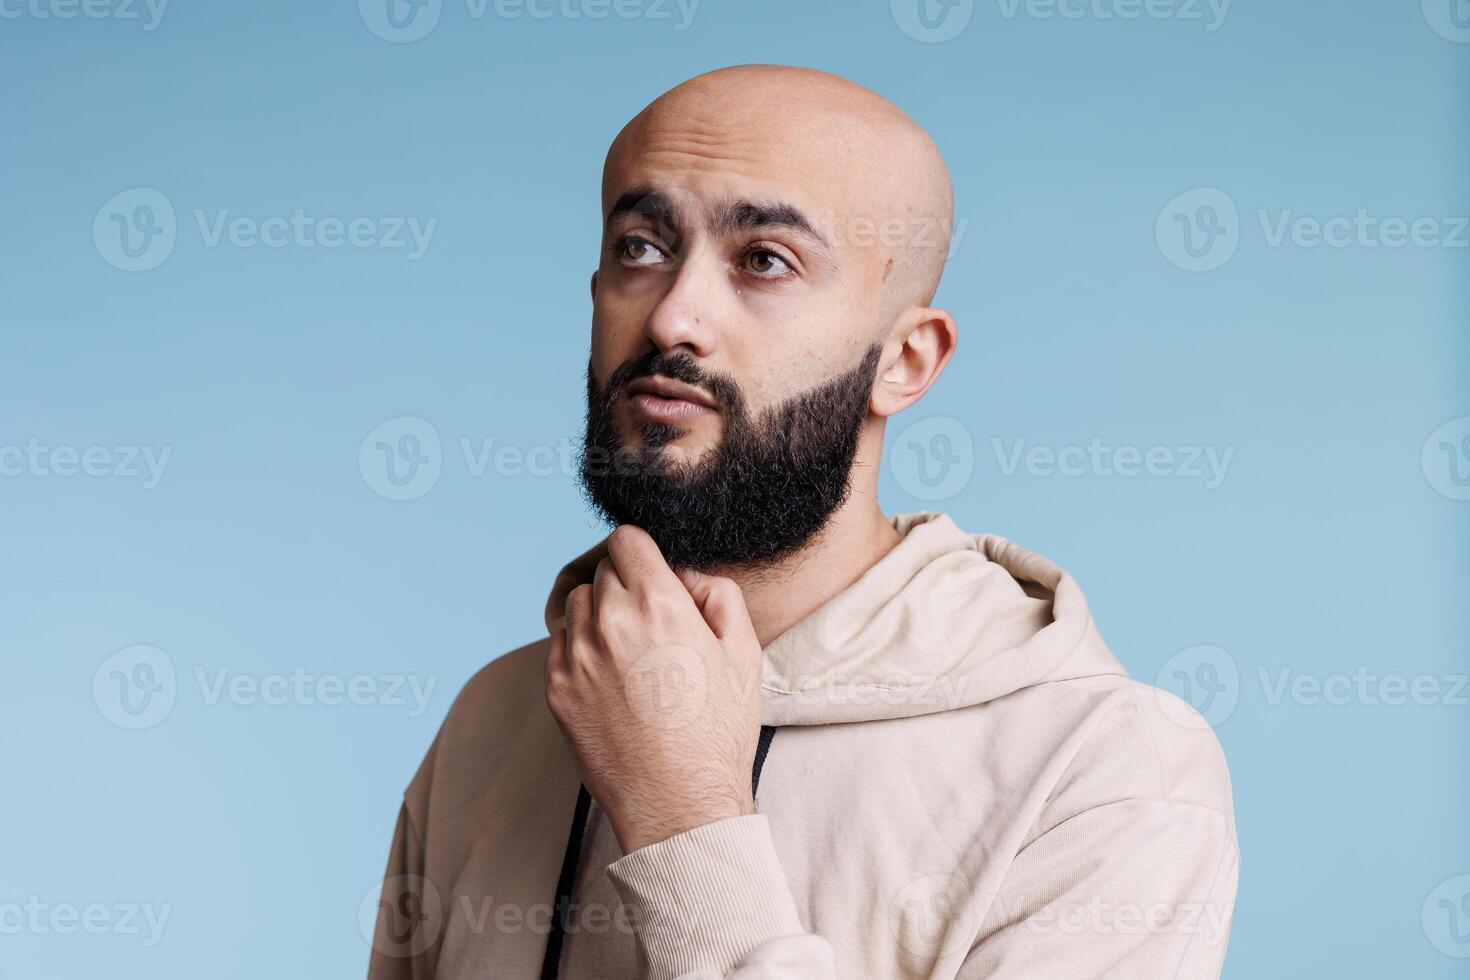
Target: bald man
[773, 733]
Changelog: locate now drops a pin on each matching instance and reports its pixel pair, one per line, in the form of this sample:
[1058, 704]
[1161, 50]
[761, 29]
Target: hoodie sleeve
[1136, 888]
[713, 903]
[405, 926]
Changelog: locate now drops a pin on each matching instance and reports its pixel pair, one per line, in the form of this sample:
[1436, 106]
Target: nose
[683, 319]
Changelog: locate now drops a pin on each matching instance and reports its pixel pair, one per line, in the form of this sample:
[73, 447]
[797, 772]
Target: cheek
[768, 379]
[616, 337]
[780, 365]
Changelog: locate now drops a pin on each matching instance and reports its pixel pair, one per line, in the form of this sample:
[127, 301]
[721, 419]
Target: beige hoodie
[964, 783]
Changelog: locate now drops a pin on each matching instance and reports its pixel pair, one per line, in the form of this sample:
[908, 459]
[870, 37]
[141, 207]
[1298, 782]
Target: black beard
[771, 484]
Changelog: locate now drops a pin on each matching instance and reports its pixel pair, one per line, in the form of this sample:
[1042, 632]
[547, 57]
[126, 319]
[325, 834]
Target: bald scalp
[887, 194]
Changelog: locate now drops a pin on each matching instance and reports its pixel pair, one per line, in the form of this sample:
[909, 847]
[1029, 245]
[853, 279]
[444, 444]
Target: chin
[684, 443]
[687, 450]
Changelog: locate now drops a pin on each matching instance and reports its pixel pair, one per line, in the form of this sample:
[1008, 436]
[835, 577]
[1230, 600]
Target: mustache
[677, 367]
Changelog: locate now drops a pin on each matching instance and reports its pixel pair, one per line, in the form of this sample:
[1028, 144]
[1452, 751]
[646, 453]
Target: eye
[639, 251]
[766, 263]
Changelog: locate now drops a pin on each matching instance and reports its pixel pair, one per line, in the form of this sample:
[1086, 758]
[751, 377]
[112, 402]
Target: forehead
[701, 155]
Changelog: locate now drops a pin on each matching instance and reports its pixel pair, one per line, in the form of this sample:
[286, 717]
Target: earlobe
[927, 338]
[594, 287]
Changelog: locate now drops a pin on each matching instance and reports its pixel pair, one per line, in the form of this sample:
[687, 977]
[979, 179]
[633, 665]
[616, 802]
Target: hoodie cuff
[704, 899]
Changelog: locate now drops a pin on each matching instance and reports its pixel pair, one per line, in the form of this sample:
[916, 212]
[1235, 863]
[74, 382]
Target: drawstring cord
[562, 910]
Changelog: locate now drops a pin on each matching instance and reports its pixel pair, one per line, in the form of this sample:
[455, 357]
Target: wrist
[660, 822]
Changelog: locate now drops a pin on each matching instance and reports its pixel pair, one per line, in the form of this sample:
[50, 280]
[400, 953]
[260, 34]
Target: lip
[665, 400]
[671, 411]
[667, 389]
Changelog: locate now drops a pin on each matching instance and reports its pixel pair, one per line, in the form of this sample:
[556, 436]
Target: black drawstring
[762, 746]
[562, 911]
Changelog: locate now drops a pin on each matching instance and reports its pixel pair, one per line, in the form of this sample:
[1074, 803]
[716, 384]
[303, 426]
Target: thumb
[720, 602]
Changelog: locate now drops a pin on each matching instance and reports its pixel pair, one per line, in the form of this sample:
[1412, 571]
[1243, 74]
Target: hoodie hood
[944, 621]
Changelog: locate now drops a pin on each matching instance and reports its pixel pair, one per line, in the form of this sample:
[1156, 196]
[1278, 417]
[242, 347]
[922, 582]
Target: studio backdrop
[293, 336]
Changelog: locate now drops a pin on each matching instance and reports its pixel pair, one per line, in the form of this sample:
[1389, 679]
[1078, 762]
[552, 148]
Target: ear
[919, 346]
[594, 287]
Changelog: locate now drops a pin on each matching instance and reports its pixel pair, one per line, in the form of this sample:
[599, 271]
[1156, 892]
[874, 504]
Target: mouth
[657, 399]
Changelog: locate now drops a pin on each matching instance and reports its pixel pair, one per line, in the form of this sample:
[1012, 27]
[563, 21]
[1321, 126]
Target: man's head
[773, 238]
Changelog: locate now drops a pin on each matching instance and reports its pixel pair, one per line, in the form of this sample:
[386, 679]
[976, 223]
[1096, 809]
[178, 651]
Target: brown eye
[640, 251]
[767, 263]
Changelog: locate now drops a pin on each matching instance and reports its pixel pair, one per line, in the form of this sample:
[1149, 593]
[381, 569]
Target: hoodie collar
[945, 620]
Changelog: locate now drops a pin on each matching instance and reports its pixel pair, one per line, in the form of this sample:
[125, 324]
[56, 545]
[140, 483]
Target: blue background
[266, 547]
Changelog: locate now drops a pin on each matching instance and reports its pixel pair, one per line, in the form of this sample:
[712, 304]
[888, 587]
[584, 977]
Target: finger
[720, 602]
[640, 564]
[558, 675]
[556, 654]
[606, 583]
[579, 619]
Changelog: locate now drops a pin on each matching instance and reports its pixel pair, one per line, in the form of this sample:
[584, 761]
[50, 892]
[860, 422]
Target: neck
[781, 595]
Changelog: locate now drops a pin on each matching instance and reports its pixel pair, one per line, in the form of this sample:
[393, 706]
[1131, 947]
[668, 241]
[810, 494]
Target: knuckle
[623, 536]
[660, 605]
[578, 598]
[555, 695]
[724, 588]
[606, 625]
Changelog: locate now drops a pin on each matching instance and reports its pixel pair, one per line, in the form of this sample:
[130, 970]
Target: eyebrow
[728, 216]
[750, 215]
[645, 201]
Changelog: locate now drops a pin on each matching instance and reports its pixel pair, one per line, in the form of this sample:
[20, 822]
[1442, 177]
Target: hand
[655, 681]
